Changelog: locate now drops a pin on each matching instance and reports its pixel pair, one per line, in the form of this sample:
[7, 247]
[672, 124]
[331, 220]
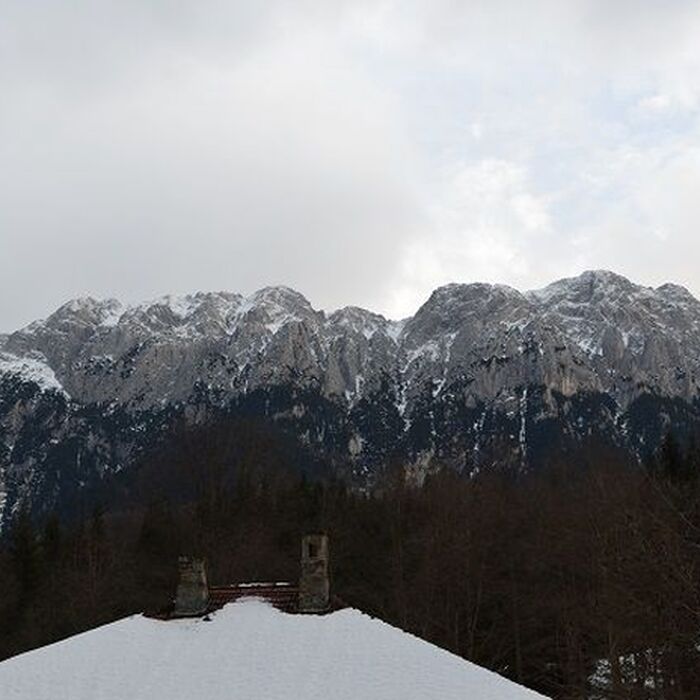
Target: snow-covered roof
[250, 650]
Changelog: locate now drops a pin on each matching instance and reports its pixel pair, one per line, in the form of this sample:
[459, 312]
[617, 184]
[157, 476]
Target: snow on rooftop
[250, 650]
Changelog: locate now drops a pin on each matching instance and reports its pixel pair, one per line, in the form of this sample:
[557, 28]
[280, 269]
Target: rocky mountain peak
[85, 311]
[200, 314]
[272, 308]
[590, 287]
[459, 295]
[279, 303]
[357, 320]
[473, 306]
[677, 294]
[476, 360]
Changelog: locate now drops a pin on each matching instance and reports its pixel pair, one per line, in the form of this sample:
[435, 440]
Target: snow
[356, 445]
[599, 302]
[182, 306]
[280, 320]
[359, 321]
[430, 349]
[522, 437]
[605, 280]
[31, 369]
[112, 315]
[635, 670]
[105, 312]
[250, 650]
[3, 496]
[110, 311]
[394, 329]
[281, 306]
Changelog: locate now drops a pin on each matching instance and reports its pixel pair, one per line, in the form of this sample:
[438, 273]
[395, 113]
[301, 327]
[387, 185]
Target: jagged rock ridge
[478, 369]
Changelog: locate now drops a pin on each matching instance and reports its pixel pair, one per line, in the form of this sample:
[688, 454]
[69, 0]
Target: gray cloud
[360, 152]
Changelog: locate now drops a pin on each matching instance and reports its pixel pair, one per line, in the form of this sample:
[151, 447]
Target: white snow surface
[32, 369]
[250, 651]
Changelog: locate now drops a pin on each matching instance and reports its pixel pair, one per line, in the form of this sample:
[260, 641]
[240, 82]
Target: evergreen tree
[26, 555]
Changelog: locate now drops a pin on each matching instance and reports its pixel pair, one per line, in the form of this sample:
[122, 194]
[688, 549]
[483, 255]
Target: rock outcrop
[480, 370]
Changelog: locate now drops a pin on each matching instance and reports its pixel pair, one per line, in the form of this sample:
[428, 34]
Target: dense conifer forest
[547, 577]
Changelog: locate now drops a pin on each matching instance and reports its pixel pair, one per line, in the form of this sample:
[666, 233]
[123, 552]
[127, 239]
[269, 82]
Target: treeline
[581, 583]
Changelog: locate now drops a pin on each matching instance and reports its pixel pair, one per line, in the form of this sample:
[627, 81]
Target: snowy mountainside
[480, 374]
[250, 650]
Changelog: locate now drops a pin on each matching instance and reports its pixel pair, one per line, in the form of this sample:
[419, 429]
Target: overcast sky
[362, 153]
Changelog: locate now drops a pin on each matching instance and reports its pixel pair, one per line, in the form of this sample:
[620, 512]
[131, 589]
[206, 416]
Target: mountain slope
[480, 375]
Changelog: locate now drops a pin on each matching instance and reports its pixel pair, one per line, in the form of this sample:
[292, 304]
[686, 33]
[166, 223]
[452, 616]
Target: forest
[582, 582]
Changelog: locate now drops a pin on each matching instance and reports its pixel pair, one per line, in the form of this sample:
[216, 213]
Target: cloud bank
[362, 153]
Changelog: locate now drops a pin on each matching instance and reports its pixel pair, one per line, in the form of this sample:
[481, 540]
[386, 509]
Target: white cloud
[651, 230]
[362, 152]
[655, 103]
[280, 168]
[486, 223]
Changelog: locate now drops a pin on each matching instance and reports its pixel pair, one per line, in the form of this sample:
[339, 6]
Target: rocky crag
[482, 375]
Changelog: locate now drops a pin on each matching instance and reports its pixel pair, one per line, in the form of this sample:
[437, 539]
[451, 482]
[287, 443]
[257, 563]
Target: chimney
[192, 591]
[314, 586]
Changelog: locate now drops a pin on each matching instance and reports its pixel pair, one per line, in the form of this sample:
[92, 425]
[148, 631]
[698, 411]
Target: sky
[362, 153]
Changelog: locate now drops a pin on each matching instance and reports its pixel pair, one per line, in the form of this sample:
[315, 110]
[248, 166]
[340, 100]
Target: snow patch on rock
[31, 369]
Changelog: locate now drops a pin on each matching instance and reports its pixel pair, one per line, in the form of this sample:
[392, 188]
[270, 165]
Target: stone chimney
[314, 585]
[192, 591]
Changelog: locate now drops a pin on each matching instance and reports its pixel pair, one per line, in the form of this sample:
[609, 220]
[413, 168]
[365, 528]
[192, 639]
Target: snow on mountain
[600, 307]
[356, 320]
[589, 332]
[186, 316]
[278, 306]
[34, 370]
[250, 650]
[637, 339]
[480, 372]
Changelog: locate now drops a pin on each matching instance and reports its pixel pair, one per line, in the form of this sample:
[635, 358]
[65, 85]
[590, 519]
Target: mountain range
[482, 376]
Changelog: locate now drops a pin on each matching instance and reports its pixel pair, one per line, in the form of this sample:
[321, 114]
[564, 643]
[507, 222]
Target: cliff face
[481, 373]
